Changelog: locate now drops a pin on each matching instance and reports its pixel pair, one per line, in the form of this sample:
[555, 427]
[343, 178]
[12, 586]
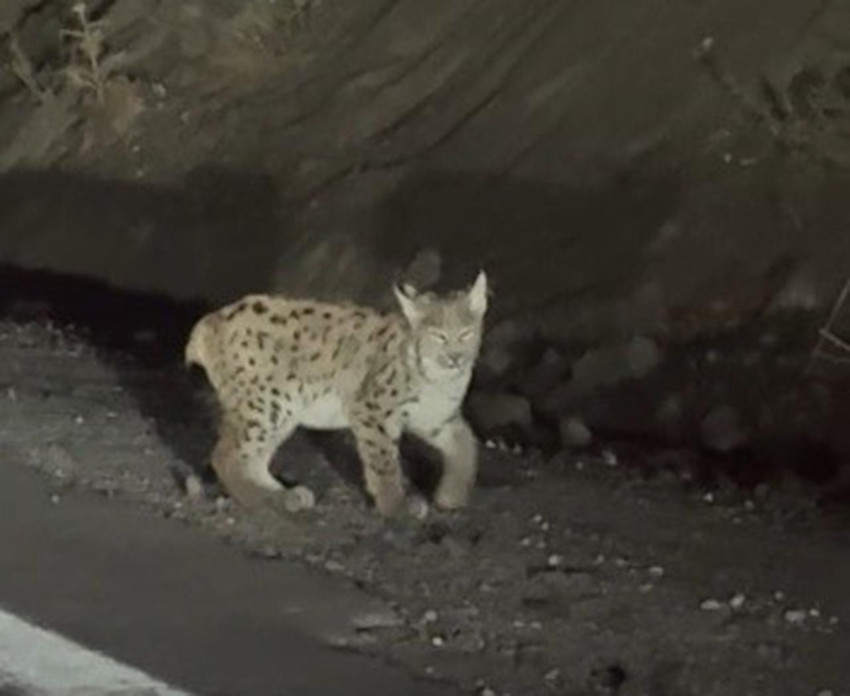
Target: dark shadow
[539, 242]
[217, 236]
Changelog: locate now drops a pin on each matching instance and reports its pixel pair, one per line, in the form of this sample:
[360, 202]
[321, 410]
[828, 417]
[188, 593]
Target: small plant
[86, 68]
[23, 69]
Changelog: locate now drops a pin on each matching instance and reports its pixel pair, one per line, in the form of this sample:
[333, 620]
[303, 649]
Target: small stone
[489, 444]
[552, 675]
[544, 526]
[643, 355]
[574, 432]
[55, 499]
[708, 498]
[779, 595]
[656, 571]
[795, 616]
[492, 411]
[609, 458]
[487, 691]
[194, 487]
[333, 566]
[555, 560]
[710, 605]
[79, 420]
[721, 430]
[383, 617]
[814, 612]
[737, 601]
[438, 641]
[429, 617]
[525, 541]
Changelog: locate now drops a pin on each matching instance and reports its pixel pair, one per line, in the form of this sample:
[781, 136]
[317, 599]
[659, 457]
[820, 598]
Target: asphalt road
[186, 611]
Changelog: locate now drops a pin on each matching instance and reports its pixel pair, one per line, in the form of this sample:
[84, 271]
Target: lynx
[277, 363]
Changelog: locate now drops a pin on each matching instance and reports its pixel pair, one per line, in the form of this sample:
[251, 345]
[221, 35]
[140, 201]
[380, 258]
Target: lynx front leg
[377, 445]
[457, 444]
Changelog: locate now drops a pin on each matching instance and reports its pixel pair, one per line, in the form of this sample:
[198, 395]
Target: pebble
[438, 641]
[737, 601]
[194, 487]
[552, 675]
[609, 458]
[54, 499]
[795, 616]
[429, 616]
[656, 571]
[710, 605]
[708, 498]
[555, 560]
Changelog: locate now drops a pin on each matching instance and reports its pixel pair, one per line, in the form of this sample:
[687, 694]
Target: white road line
[47, 664]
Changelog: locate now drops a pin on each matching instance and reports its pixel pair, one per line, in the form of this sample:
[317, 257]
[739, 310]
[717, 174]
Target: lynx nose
[455, 359]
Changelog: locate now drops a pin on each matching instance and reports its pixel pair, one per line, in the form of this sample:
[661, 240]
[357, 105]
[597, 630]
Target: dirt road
[567, 576]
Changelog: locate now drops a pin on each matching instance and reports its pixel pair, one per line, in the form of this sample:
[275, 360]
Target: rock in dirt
[500, 349]
[574, 432]
[549, 372]
[721, 430]
[643, 356]
[495, 412]
[424, 270]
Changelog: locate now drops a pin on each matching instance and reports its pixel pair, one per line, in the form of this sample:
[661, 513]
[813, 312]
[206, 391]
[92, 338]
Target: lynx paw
[298, 498]
[390, 500]
[451, 499]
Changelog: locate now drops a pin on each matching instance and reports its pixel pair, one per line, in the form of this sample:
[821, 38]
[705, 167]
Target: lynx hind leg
[459, 449]
[241, 461]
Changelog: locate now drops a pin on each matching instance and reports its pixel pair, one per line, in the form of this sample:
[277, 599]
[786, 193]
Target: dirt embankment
[631, 176]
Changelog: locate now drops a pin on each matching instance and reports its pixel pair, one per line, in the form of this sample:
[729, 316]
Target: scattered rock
[551, 370]
[500, 348]
[710, 605]
[194, 488]
[384, 617]
[424, 270]
[574, 432]
[492, 412]
[795, 616]
[737, 601]
[643, 356]
[721, 430]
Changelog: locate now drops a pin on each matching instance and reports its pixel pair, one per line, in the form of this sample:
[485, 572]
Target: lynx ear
[406, 296]
[478, 294]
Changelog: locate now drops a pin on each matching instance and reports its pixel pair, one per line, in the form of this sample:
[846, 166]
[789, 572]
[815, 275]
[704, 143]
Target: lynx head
[446, 328]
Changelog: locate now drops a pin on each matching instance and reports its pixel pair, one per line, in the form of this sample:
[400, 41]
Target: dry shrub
[253, 45]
